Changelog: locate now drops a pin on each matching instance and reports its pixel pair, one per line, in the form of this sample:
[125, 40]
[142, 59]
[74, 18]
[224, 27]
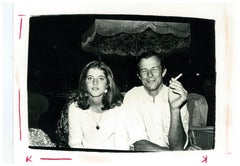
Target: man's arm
[177, 98]
[144, 145]
[176, 136]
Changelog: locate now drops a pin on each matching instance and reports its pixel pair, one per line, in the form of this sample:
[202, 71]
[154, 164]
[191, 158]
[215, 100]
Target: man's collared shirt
[154, 113]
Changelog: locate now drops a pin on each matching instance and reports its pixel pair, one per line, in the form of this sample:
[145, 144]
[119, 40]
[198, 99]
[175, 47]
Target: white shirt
[155, 115]
[83, 133]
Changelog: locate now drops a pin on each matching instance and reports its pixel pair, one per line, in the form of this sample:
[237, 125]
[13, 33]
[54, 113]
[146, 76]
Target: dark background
[55, 60]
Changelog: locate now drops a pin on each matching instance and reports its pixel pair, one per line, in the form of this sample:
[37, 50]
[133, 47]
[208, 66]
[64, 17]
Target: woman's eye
[89, 78]
[102, 78]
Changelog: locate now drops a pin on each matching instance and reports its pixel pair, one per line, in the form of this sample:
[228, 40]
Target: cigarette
[176, 78]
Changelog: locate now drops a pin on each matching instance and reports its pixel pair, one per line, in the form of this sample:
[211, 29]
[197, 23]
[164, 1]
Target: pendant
[97, 127]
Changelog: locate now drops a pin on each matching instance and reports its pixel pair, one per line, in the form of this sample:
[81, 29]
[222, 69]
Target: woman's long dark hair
[111, 99]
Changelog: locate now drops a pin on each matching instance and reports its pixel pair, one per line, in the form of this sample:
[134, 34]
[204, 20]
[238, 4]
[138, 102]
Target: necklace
[97, 122]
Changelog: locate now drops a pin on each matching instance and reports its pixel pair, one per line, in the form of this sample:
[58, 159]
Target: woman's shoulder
[73, 107]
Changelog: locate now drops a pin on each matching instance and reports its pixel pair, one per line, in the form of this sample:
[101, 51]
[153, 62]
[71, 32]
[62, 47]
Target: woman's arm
[75, 132]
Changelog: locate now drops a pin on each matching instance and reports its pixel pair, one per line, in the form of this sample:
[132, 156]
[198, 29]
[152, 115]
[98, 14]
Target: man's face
[150, 73]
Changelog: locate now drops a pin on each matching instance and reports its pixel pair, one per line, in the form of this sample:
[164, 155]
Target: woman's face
[96, 82]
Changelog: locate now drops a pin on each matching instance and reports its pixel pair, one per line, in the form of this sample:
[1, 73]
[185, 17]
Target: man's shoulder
[135, 90]
[136, 93]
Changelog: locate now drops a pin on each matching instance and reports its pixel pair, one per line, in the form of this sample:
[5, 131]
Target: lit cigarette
[176, 78]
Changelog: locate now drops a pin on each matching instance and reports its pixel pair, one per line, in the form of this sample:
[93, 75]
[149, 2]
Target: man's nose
[150, 74]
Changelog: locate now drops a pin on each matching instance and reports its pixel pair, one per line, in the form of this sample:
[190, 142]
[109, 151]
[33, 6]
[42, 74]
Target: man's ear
[139, 76]
[164, 72]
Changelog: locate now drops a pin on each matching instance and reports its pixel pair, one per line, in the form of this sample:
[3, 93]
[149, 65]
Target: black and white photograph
[126, 82]
[121, 83]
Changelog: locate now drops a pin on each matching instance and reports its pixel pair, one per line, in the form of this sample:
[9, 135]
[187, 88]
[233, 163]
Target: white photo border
[223, 14]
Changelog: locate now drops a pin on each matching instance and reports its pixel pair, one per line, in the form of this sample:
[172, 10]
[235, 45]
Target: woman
[95, 117]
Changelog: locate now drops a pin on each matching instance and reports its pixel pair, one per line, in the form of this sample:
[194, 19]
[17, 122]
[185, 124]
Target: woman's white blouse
[111, 135]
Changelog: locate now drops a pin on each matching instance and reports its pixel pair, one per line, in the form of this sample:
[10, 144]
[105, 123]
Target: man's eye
[155, 69]
[143, 71]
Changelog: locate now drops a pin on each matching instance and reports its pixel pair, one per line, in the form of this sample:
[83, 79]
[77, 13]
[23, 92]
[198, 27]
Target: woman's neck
[96, 103]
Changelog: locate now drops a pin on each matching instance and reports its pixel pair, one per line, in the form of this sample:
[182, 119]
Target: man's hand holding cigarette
[177, 95]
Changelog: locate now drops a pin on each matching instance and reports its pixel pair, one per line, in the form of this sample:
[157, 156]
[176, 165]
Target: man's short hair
[147, 55]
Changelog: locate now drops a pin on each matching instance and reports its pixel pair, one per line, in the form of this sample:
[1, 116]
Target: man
[159, 112]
